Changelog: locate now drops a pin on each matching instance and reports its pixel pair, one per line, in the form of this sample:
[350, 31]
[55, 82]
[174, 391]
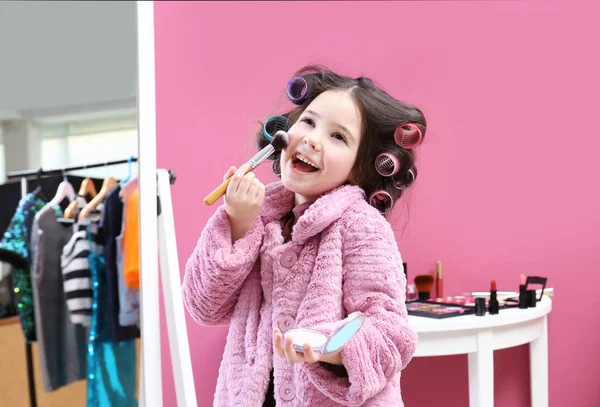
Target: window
[54, 153]
[101, 147]
[91, 142]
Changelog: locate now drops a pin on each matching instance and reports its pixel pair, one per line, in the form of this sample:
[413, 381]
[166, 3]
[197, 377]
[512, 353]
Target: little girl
[311, 249]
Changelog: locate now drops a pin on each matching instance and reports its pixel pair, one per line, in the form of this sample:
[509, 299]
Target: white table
[480, 336]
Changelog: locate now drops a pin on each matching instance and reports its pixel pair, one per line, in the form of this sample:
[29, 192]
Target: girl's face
[323, 146]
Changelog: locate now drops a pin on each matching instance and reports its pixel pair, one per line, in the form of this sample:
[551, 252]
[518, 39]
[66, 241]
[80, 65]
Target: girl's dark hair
[381, 114]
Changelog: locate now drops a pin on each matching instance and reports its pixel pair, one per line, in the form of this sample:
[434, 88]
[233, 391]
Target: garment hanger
[68, 213]
[87, 187]
[125, 186]
[108, 185]
[128, 177]
[39, 190]
[64, 190]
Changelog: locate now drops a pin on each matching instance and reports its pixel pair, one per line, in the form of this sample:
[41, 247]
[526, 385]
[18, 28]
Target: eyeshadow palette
[436, 310]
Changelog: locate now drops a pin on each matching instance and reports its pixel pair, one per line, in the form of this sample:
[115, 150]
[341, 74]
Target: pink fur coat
[342, 258]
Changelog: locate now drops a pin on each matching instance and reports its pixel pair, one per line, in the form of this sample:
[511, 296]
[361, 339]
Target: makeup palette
[446, 307]
[431, 309]
[469, 301]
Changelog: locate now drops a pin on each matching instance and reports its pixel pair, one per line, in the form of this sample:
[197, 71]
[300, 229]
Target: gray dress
[62, 344]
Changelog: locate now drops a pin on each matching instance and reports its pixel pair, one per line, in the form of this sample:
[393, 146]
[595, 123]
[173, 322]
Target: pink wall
[506, 181]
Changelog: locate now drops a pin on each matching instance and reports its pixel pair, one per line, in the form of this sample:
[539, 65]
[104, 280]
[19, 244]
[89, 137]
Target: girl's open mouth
[302, 164]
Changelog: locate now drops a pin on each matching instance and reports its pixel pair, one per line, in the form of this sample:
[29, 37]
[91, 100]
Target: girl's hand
[309, 356]
[243, 198]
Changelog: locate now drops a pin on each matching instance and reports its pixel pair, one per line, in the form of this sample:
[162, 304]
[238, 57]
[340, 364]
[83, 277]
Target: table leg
[538, 367]
[481, 372]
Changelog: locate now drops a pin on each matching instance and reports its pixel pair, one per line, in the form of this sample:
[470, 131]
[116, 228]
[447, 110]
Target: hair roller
[297, 90]
[404, 185]
[276, 167]
[408, 135]
[382, 201]
[273, 125]
[387, 164]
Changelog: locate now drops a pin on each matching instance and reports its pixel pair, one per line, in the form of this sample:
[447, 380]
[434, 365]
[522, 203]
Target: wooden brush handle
[219, 191]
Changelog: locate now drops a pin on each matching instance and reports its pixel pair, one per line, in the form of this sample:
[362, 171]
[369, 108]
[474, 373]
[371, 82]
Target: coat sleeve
[216, 270]
[374, 284]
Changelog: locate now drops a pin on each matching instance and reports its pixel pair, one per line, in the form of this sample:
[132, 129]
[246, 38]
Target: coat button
[287, 391]
[288, 258]
[286, 323]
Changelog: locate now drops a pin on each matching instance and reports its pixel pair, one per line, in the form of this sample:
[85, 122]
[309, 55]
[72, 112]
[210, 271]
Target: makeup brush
[424, 283]
[279, 142]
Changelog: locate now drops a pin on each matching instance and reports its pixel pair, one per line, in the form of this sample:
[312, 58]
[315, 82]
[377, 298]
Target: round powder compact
[300, 336]
[322, 343]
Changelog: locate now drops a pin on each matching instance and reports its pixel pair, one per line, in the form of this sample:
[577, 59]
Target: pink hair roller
[276, 167]
[401, 186]
[387, 164]
[382, 201]
[408, 135]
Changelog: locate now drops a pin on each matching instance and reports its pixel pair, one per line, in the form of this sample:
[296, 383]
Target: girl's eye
[307, 120]
[339, 136]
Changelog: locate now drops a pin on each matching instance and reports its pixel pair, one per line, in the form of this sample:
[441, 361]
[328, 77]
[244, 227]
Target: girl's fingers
[277, 339]
[237, 177]
[309, 355]
[229, 172]
[290, 353]
[254, 188]
[260, 193]
[246, 183]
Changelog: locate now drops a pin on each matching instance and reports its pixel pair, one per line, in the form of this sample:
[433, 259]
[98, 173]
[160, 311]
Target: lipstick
[493, 306]
[523, 294]
[480, 306]
[439, 283]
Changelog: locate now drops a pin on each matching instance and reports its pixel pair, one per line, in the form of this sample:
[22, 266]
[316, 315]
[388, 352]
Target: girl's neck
[300, 199]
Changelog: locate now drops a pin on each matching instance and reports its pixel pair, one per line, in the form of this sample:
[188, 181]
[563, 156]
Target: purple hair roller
[297, 89]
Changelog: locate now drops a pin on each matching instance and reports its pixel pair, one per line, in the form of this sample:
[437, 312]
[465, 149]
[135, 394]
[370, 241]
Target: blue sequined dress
[15, 250]
[111, 366]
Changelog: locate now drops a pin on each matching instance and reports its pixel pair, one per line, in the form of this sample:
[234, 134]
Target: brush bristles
[280, 140]
[424, 282]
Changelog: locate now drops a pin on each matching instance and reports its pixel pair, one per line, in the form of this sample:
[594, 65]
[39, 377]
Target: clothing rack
[59, 171]
[40, 172]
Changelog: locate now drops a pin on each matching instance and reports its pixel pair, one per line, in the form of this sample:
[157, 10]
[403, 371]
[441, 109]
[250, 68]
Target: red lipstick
[493, 307]
[439, 283]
